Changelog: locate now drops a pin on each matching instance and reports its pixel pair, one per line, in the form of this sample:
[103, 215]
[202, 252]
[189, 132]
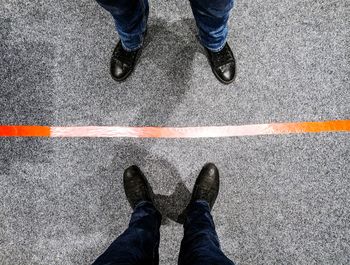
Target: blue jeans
[139, 244]
[131, 16]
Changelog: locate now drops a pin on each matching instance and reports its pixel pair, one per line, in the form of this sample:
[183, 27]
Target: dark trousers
[139, 244]
[130, 17]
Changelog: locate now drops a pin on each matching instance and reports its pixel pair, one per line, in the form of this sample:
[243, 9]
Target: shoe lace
[124, 56]
[222, 57]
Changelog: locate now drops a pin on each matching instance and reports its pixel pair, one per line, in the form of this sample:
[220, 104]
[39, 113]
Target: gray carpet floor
[283, 200]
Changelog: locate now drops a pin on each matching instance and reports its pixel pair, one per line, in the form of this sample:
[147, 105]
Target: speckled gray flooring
[284, 199]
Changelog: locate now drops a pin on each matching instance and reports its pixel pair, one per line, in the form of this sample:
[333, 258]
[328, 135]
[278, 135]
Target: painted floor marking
[175, 132]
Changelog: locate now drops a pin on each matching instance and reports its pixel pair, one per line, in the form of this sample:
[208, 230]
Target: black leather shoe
[223, 64]
[136, 186]
[207, 185]
[123, 62]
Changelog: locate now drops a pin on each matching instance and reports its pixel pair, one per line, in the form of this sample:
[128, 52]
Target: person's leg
[200, 245]
[211, 17]
[139, 243]
[130, 18]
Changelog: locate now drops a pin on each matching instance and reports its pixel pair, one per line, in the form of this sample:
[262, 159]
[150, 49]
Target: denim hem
[203, 202]
[133, 49]
[141, 203]
[214, 50]
[150, 205]
[198, 204]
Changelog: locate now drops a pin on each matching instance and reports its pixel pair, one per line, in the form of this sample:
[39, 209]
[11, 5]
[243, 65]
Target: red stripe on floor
[24, 131]
[172, 132]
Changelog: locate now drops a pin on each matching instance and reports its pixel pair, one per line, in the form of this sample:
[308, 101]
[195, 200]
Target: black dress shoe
[136, 186]
[223, 64]
[123, 62]
[207, 185]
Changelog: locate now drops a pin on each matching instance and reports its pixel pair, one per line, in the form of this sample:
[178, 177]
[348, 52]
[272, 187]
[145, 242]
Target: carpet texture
[283, 199]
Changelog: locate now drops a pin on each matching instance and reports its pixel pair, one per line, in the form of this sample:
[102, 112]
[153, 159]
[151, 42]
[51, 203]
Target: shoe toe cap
[211, 170]
[130, 172]
[119, 70]
[227, 73]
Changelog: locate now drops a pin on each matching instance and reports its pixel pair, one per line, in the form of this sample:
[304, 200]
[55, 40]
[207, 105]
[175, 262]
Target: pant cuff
[133, 49]
[214, 49]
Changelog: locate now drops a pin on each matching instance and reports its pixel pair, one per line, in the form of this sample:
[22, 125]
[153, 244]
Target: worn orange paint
[24, 131]
[172, 132]
[312, 127]
[202, 132]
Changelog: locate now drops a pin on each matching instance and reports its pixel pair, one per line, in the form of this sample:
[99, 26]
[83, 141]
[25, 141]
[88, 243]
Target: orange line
[24, 131]
[170, 132]
[312, 127]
